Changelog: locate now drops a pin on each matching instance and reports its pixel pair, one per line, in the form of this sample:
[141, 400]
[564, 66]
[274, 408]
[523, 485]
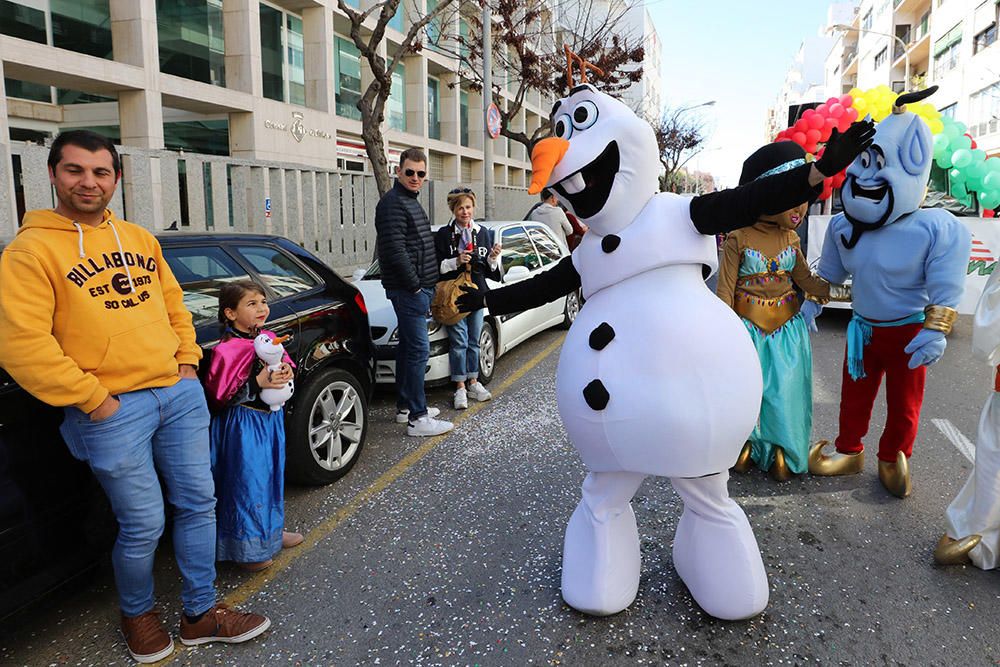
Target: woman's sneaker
[478, 392]
[222, 624]
[461, 399]
[403, 416]
[145, 637]
[427, 425]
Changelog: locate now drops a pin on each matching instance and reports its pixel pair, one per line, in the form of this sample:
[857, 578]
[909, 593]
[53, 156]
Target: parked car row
[55, 522]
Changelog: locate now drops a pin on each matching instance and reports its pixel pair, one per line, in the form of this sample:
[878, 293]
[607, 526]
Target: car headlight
[433, 326]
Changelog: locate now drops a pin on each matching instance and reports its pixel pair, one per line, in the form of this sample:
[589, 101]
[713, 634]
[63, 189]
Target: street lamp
[695, 106]
[906, 55]
[677, 113]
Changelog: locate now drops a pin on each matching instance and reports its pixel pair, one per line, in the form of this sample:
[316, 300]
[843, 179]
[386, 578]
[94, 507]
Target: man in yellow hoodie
[94, 321]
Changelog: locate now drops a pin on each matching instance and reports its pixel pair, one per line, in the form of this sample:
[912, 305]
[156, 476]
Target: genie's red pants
[904, 389]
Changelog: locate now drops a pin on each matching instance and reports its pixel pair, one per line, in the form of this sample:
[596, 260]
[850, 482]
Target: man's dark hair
[413, 155]
[546, 193]
[91, 141]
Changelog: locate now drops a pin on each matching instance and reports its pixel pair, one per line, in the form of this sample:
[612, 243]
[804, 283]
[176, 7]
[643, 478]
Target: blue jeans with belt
[166, 430]
[413, 349]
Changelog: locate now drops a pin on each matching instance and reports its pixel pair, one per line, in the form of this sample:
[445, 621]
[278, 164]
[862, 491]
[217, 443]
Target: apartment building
[911, 44]
[272, 80]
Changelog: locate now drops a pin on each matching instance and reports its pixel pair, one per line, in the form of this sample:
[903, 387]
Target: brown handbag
[446, 293]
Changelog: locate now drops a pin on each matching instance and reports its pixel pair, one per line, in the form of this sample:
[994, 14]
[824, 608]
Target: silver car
[528, 249]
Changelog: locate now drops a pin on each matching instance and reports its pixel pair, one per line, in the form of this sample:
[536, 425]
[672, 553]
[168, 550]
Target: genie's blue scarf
[859, 334]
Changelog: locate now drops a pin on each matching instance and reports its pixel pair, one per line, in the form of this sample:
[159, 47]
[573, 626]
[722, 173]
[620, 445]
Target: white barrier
[982, 262]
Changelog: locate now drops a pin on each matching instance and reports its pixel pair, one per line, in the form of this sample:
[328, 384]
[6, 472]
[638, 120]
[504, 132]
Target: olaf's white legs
[715, 552]
[601, 560]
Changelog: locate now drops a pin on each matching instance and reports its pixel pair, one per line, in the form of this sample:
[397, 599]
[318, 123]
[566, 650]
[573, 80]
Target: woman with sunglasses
[459, 244]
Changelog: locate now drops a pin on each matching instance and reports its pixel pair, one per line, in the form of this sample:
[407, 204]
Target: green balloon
[990, 199]
[961, 158]
[957, 176]
[991, 181]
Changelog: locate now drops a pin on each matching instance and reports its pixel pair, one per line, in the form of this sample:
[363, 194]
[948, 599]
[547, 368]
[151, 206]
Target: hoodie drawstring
[121, 253]
[79, 231]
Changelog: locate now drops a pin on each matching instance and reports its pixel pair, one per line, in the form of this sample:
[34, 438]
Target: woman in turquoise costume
[759, 265]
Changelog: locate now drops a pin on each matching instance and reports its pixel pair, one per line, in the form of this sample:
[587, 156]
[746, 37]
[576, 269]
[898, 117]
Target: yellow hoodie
[87, 311]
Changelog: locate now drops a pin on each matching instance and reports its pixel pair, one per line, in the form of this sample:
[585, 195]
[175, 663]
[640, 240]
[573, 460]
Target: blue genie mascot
[657, 376]
[908, 266]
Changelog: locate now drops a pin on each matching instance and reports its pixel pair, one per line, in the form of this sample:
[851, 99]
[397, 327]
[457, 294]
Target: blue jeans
[413, 349]
[166, 430]
[463, 352]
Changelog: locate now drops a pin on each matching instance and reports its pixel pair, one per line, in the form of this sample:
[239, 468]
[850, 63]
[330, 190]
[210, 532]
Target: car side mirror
[515, 273]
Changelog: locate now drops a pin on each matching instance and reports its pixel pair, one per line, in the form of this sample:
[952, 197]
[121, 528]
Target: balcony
[911, 7]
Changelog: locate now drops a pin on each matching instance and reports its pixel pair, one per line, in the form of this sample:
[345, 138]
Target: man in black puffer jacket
[409, 269]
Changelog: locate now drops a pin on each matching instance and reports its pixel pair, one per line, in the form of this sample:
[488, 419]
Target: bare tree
[528, 52]
[368, 32]
[678, 137]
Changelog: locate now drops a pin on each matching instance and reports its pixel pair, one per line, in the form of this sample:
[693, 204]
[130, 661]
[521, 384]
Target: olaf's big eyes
[866, 159]
[880, 161]
[563, 127]
[584, 115]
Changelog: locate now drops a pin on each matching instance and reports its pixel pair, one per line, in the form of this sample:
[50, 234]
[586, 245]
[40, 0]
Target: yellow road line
[288, 556]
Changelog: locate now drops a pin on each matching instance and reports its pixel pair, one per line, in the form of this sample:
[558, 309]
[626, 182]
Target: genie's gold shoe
[834, 464]
[895, 477]
[955, 552]
[780, 472]
[744, 461]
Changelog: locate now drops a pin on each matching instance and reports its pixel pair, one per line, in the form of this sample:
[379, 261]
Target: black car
[54, 519]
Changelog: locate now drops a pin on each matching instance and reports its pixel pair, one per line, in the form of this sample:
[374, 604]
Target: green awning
[952, 37]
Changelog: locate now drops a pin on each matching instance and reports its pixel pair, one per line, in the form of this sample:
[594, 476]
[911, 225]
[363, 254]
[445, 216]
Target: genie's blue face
[888, 180]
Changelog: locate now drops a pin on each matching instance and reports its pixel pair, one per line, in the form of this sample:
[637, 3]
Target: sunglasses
[461, 191]
[411, 172]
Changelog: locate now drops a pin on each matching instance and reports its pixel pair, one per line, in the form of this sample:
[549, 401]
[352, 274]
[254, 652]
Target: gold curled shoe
[744, 461]
[895, 477]
[955, 552]
[780, 472]
[836, 463]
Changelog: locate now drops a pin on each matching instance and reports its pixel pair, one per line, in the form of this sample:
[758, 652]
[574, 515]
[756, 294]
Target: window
[547, 246]
[949, 111]
[946, 51]
[866, 22]
[22, 22]
[83, 26]
[348, 79]
[282, 56]
[433, 108]
[433, 27]
[517, 250]
[463, 35]
[463, 117]
[397, 99]
[202, 271]
[191, 39]
[985, 38]
[880, 58]
[281, 273]
[984, 106]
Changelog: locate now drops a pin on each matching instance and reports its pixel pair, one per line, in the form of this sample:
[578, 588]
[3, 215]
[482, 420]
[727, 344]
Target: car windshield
[373, 272]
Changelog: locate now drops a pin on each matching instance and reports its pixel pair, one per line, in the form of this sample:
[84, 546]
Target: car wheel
[572, 309]
[487, 352]
[327, 430]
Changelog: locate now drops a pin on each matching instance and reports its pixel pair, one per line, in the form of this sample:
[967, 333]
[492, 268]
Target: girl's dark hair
[232, 293]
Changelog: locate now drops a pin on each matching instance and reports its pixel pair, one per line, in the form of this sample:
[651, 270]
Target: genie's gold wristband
[940, 318]
[837, 293]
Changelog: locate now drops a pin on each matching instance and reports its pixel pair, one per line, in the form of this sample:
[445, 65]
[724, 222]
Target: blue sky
[737, 53]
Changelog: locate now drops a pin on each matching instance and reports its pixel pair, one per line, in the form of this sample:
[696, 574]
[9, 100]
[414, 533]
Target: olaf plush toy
[656, 376]
[271, 351]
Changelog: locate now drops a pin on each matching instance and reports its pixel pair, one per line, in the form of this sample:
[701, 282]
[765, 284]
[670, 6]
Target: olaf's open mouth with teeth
[874, 193]
[587, 189]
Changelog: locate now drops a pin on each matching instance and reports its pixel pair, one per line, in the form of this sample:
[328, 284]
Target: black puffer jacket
[404, 241]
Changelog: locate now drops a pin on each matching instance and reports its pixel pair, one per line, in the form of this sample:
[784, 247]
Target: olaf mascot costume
[657, 376]
[271, 352]
[908, 266]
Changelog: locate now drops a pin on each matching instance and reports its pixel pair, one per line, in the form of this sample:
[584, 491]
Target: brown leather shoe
[222, 624]
[289, 540]
[256, 567]
[145, 637]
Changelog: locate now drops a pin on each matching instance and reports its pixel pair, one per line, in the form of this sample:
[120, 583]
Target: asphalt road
[447, 552]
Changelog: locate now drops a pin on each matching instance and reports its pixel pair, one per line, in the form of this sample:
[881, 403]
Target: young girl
[248, 439]
[758, 268]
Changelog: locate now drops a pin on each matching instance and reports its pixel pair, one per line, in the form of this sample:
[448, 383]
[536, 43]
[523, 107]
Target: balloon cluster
[967, 166]
[816, 125]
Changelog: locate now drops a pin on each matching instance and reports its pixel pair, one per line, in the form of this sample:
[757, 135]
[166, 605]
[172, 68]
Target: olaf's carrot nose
[280, 339]
[544, 158]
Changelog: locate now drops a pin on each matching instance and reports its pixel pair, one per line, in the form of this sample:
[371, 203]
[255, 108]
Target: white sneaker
[427, 425]
[461, 400]
[403, 416]
[478, 392]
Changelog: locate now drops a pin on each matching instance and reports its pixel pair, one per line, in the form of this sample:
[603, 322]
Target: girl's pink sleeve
[229, 370]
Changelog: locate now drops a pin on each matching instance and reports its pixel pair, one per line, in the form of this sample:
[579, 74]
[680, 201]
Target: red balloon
[812, 136]
[801, 125]
[988, 213]
[837, 110]
[808, 113]
[810, 147]
[828, 125]
[846, 101]
[799, 138]
[827, 190]
[972, 140]
[816, 121]
[851, 114]
[830, 102]
[823, 110]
